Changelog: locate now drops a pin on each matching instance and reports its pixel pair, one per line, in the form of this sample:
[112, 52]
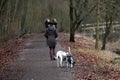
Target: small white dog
[64, 59]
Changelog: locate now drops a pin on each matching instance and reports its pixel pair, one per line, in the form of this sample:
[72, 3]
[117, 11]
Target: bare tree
[2, 4]
[79, 11]
[97, 27]
[111, 12]
[25, 8]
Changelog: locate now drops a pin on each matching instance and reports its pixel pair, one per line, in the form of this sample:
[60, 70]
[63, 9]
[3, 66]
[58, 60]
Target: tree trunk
[97, 27]
[3, 3]
[9, 18]
[72, 30]
[72, 34]
[107, 32]
[23, 28]
[15, 10]
[105, 39]
[104, 42]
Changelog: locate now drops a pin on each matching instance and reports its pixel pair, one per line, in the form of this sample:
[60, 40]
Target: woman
[51, 35]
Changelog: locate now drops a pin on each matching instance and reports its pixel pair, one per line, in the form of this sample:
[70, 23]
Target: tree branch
[80, 20]
[2, 5]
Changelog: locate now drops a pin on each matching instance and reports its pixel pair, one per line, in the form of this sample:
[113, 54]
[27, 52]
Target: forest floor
[91, 64]
[18, 62]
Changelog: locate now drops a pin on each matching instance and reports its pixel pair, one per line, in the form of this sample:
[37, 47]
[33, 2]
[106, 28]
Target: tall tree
[25, 8]
[15, 10]
[111, 12]
[79, 11]
[97, 27]
[2, 4]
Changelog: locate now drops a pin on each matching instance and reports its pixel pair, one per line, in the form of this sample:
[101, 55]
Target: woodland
[98, 20]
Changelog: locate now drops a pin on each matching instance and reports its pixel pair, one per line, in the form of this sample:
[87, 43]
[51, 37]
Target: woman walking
[51, 35]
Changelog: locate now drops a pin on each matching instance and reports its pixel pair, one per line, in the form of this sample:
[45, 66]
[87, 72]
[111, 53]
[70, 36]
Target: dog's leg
[71, 65]
[67, 65]
[58, 62]
[64, 63]
[61, 61]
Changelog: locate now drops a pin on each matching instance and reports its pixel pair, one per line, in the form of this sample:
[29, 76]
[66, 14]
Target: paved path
[34, 63]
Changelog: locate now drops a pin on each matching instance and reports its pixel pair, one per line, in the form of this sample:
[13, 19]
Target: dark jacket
[51, 35]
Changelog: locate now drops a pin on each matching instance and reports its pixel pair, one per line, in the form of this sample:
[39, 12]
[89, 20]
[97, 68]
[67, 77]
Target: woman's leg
[54, 53]
[50, 53]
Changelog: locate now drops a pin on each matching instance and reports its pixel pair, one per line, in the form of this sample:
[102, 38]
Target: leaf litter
[88, 66]
[9, 49]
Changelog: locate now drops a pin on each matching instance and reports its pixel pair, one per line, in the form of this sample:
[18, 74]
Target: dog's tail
[69, 49]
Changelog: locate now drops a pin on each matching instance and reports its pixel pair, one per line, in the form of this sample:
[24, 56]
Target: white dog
[64, 59]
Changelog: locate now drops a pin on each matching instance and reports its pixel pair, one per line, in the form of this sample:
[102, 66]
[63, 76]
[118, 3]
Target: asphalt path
[33, 63]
